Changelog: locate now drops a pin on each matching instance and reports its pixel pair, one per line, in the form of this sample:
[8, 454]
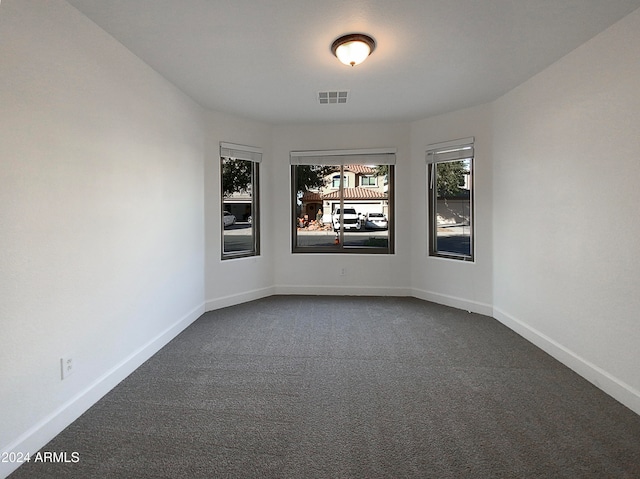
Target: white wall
[234, 281]
[566, 198]
[101, 216]
[320, 273]
[456, 283]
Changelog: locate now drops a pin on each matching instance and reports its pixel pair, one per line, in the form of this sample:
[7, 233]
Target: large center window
[332, 216]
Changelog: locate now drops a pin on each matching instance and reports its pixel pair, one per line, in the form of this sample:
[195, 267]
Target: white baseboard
[600, 378]
[233, 299]
[41, 433]
[341, 290]
[453, 301]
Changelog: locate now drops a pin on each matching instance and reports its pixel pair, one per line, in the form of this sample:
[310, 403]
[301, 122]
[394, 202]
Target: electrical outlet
[67, 367]
[343, 271]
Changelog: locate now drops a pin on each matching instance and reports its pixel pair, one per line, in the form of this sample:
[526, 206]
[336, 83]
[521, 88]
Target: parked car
[351, 219]
[375, 221]
[228, 219]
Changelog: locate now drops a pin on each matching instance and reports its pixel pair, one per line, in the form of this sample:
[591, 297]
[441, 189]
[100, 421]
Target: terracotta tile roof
[362, 169]
[311, 196]
[356, 194]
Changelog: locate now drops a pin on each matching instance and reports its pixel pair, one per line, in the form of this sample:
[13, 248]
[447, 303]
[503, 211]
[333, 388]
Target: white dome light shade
[353, 49]
[352, 53]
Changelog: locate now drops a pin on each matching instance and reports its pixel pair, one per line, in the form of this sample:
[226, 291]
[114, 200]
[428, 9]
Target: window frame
[368, 184]
[340, 158]
[446, 152]
[253, 155]
[343, 180]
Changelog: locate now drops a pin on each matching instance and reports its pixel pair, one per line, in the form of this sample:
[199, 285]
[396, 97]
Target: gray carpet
[349, 387]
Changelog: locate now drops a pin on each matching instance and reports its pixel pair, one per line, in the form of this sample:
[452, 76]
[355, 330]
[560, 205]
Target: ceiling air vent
[327, 97]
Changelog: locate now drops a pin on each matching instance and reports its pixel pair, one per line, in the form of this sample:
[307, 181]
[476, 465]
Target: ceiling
[268, 59]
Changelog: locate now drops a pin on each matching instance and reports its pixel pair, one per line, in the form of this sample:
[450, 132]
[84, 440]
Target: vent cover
[327, 97]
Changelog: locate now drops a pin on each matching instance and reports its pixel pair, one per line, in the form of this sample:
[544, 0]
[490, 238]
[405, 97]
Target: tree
[309, 177]
[236, 176]
[382, 170]
[450, 178]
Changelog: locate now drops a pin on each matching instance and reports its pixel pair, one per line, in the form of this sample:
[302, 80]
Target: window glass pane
[368, 181]
[313, 220]
[451, 209]
[366, 210]
[239, 217]
[331, 216]
[335, 181]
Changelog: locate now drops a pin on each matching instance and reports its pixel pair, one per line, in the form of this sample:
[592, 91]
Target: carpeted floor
[349, 387]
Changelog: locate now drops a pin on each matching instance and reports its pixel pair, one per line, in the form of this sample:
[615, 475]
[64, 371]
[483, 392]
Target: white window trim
[376, 156]
[240, 152]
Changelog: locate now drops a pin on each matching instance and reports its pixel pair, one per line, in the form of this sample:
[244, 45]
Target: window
[329, 216]
[335, 181]
[450, 175]
[239, 173]
[369, 180]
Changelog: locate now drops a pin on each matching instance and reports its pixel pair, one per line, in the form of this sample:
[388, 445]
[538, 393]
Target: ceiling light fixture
[354, 48]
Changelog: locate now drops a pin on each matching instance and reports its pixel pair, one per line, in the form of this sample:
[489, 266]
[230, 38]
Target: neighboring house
[239, 205]
[364, 189]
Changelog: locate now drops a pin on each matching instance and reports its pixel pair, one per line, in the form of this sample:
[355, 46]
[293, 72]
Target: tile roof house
[364, 189]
